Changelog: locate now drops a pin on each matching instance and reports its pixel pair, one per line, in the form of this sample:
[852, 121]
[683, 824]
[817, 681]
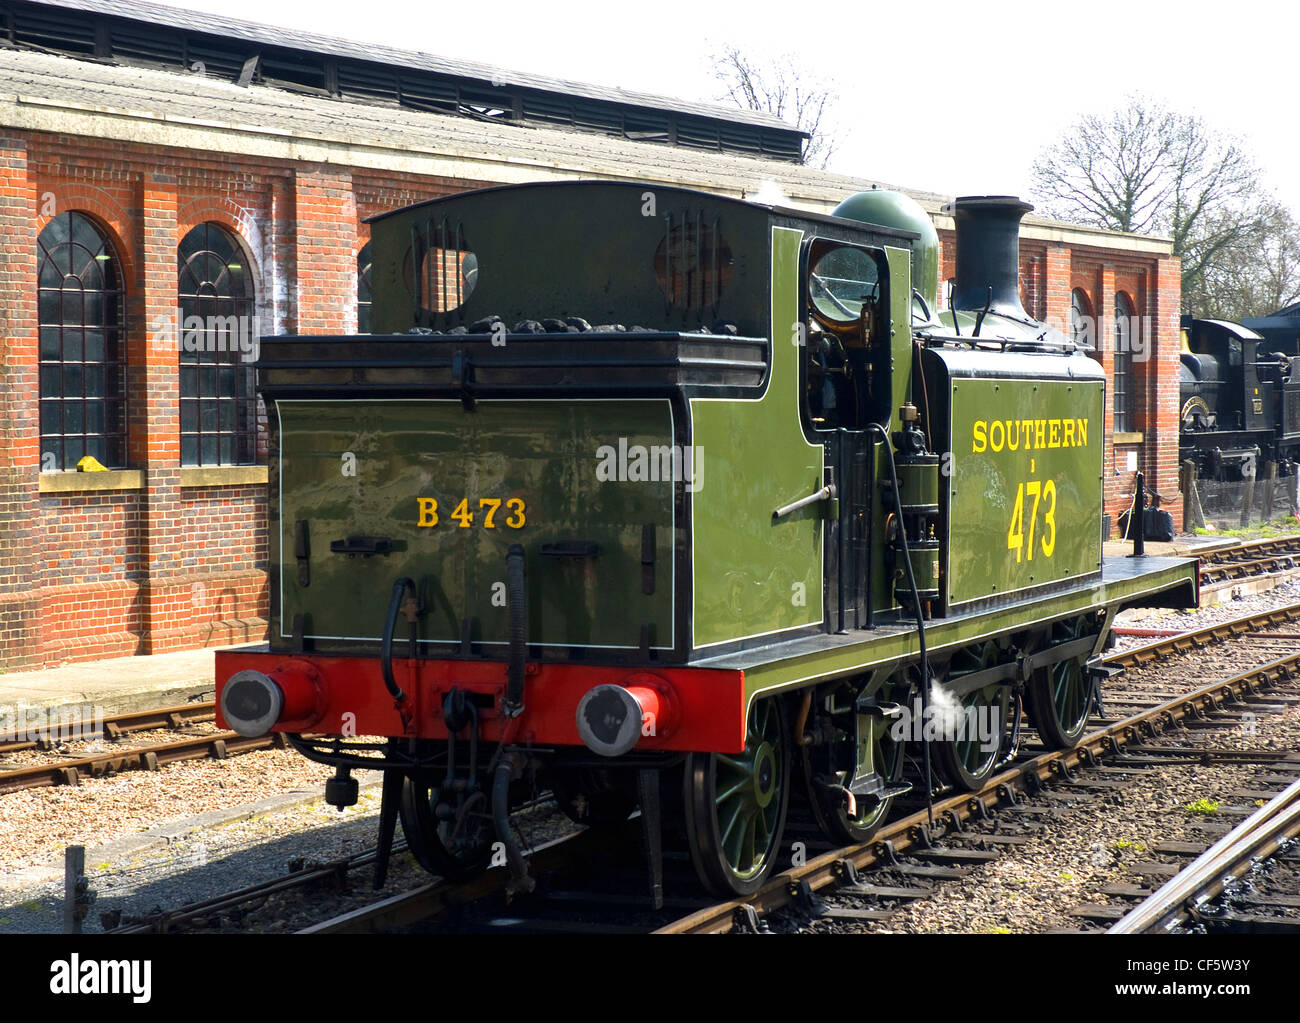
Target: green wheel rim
[964, 759]
[736, 805]
[1068, 697]
[745, 787]
[974, 756]
[1061, 693]
[887, 754]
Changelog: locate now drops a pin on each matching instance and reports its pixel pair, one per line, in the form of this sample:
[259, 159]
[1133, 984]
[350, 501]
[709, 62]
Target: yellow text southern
[1028, 434]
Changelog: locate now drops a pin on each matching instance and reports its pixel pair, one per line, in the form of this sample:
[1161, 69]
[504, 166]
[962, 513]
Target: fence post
[75, 902]
[1247, 493]
[1270, 476]
[1193, 514]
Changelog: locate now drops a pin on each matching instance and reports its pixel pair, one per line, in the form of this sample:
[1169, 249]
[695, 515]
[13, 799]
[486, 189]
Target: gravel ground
[195, 858]
[1202, 617]
[1094, 842]
[37, 824]
[75, 748]
[176, 859]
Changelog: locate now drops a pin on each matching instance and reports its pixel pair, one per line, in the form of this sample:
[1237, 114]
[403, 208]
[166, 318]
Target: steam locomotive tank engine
[1239, 402]
[662, 500]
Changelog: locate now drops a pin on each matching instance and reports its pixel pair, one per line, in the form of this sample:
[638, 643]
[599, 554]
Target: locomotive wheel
[593, 796]
[964, 760]
[450, 849]
[1060, 695]
[736, 805]
[831, 810]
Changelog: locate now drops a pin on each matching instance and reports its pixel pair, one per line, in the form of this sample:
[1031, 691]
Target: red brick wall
[90, 572]
[20, 450]
[101, 573]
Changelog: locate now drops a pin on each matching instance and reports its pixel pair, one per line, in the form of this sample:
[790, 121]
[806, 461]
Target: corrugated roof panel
[547, 108]
[697, 134]
[597, 117]
[424, 93]
[293, 70]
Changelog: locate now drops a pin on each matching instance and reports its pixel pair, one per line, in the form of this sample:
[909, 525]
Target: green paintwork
[893, 209]
[546, 453]
[900, 370]
[591, 249]
[985, 484]
[918, 483]
[581, 248]
[925, 569]
[748, 568]
[900, 330]
[767, 673]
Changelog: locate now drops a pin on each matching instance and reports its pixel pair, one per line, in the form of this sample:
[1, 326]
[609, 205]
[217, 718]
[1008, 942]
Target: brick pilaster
[326, 272]
[1164, 289]
[154, 354]
[19, 406]
[1056, 290]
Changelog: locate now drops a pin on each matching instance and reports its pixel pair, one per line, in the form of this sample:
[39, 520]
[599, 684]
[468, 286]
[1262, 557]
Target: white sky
[951, 97]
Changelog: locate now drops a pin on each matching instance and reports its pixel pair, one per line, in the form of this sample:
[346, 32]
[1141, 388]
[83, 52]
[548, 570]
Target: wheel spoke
[733, 817]
[735, 789]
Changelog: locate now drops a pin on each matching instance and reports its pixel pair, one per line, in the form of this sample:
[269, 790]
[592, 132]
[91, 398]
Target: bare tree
[1150, 170]
[1257, 274]
[781, 88]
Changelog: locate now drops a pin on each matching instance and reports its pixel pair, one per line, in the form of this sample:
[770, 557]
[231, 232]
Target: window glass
[219, 335]
[81, 308]
[1122, 385]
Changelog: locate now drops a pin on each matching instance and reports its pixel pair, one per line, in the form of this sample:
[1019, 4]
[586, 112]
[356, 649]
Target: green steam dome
[893, 209]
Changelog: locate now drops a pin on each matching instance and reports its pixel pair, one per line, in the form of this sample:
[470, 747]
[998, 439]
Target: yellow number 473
[1040, 491]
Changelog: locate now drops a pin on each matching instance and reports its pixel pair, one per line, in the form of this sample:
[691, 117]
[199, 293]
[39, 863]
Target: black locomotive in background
[1239, 395]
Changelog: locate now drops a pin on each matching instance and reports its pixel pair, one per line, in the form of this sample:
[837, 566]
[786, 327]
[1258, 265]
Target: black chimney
[988, 254]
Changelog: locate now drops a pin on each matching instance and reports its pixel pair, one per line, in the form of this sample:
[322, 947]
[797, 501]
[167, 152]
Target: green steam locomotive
[673, 502]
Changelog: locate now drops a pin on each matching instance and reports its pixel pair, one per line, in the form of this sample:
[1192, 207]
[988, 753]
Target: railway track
[1251, 566]
[841, 870]
[1188, 898]
[931, 852]
[118, 725]
[71, 770]
[911, 846]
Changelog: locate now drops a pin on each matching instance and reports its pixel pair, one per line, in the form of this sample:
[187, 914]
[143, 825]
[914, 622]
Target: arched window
[363, 290]
[219, 335]
[81, 321]
[1082, 330]
[1123, 383]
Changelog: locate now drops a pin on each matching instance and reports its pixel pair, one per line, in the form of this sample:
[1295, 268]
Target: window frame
[109, 443]
[1122, 371]
[220, 427]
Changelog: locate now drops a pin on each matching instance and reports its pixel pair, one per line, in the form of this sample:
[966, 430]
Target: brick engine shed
[181, 165]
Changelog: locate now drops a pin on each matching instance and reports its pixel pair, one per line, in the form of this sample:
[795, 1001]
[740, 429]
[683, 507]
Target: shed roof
[142, 34]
